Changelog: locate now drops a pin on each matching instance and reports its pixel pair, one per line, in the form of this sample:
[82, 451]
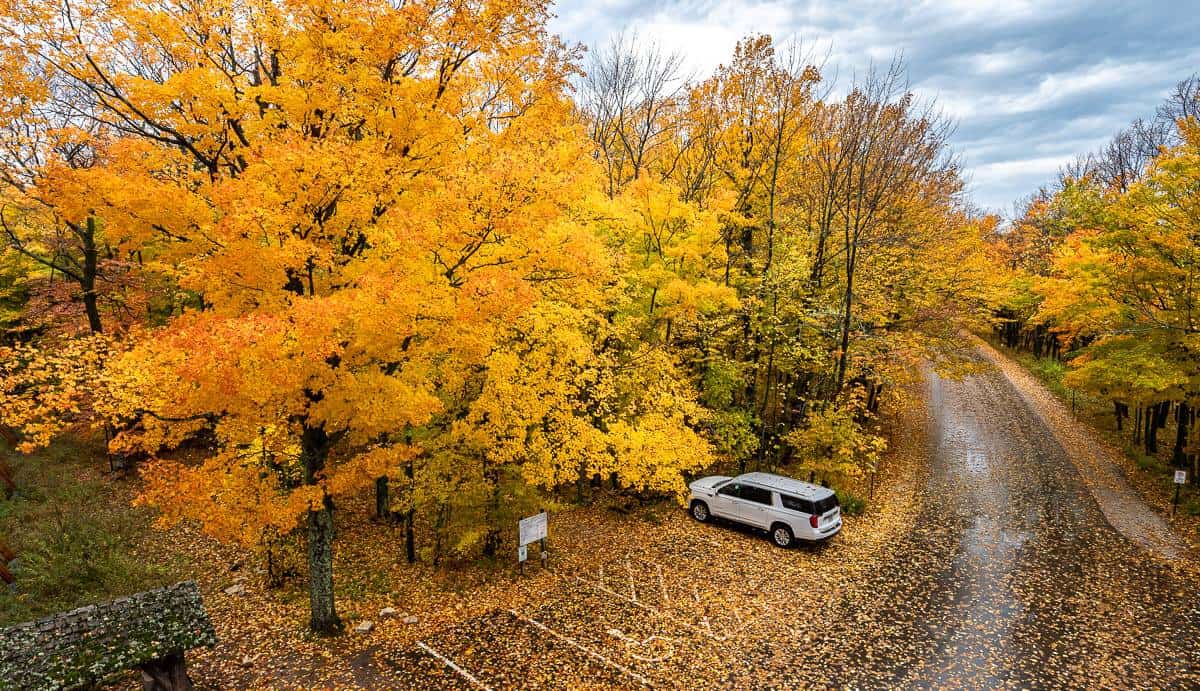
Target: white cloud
[1032, 84]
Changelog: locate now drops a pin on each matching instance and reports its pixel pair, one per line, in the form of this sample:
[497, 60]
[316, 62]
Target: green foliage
[70, 551]
[732, 433]
[838, 441]
[721, 380]
[15, 272]
[1049, 370]
[851, 505]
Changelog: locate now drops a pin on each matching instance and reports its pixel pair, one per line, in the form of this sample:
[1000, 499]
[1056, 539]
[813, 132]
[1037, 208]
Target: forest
[1103, 269]
[274, 255]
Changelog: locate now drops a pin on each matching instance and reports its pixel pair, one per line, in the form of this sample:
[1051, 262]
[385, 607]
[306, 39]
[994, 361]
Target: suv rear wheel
[700, 512]
[781, 535]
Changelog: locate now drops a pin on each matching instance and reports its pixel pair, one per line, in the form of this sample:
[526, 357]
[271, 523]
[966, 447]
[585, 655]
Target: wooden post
[166, 674]
[542, 546]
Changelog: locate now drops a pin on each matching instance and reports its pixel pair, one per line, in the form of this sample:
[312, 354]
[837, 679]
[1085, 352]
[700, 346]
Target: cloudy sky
[1031, 84]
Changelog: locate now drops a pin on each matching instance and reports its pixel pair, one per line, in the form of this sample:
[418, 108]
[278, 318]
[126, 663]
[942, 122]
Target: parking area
[703, 597]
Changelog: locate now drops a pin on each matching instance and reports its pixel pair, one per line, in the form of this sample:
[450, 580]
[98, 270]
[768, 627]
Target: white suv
[787, 509]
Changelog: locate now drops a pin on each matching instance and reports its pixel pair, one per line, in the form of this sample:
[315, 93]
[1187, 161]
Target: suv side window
[758, 495]
[731, 489]
[796, 504]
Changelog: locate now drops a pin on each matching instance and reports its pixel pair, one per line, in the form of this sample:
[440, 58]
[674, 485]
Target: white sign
[1180, 477]
[522, 553]
[533, 528]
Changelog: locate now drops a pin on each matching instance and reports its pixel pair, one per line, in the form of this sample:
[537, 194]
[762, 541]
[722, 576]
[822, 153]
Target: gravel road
[1013, 576]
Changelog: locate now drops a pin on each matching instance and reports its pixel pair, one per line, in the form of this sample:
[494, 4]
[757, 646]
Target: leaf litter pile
[983, 562]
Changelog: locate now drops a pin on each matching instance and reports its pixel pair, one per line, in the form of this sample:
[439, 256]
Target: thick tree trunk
[323, 614]
[166, 674]
[314, 447]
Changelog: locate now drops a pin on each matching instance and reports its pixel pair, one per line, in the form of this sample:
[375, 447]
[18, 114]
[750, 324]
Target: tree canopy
[426, 250]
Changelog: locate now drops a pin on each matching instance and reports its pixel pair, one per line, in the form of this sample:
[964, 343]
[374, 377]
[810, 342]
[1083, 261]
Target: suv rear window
[796, 504]
[826, 504]
[808, 506]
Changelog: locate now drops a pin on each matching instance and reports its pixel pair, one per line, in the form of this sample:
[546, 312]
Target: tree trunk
[167, 673]
[491, 540]
[845, 342]
[382, 499]
[314, 447]
[410, 538]
[1152, 429]
[324, 618]
[88, 276]
[1181, 430]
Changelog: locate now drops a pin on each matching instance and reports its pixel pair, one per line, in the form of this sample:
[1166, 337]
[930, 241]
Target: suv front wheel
[700, 512]
[781, 535]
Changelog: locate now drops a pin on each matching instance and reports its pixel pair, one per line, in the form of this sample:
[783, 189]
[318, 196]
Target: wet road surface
[1010, 576]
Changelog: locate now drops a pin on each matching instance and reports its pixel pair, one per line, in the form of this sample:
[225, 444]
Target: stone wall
[84, 645]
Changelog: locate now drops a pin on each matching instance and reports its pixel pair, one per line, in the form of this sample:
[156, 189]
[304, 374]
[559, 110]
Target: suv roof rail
[781, 483]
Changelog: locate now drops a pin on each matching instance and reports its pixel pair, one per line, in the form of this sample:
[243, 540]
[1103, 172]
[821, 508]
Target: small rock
[410, 619]
[364, 626]
[236, 589]
[247, 661]
[387, 612]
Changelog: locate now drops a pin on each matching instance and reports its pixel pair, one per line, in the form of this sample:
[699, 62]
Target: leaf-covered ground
[984, 562]
[1008, 576]
[627, 599]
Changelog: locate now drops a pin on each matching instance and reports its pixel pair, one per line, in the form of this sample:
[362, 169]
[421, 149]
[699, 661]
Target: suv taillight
[812, 520]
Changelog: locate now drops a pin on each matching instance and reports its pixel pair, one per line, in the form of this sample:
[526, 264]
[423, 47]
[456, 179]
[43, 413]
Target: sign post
[543, 555]
[1180, 478]
[531, 529]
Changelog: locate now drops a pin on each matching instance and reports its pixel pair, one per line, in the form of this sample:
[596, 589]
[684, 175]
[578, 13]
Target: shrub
[75, 537]
[851, 504]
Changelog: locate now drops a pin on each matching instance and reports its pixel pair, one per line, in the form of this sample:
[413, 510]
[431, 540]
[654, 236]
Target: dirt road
[1014, 576]
[1009, 575]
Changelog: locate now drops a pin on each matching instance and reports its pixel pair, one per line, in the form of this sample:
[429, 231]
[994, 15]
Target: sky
[1031, 85]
